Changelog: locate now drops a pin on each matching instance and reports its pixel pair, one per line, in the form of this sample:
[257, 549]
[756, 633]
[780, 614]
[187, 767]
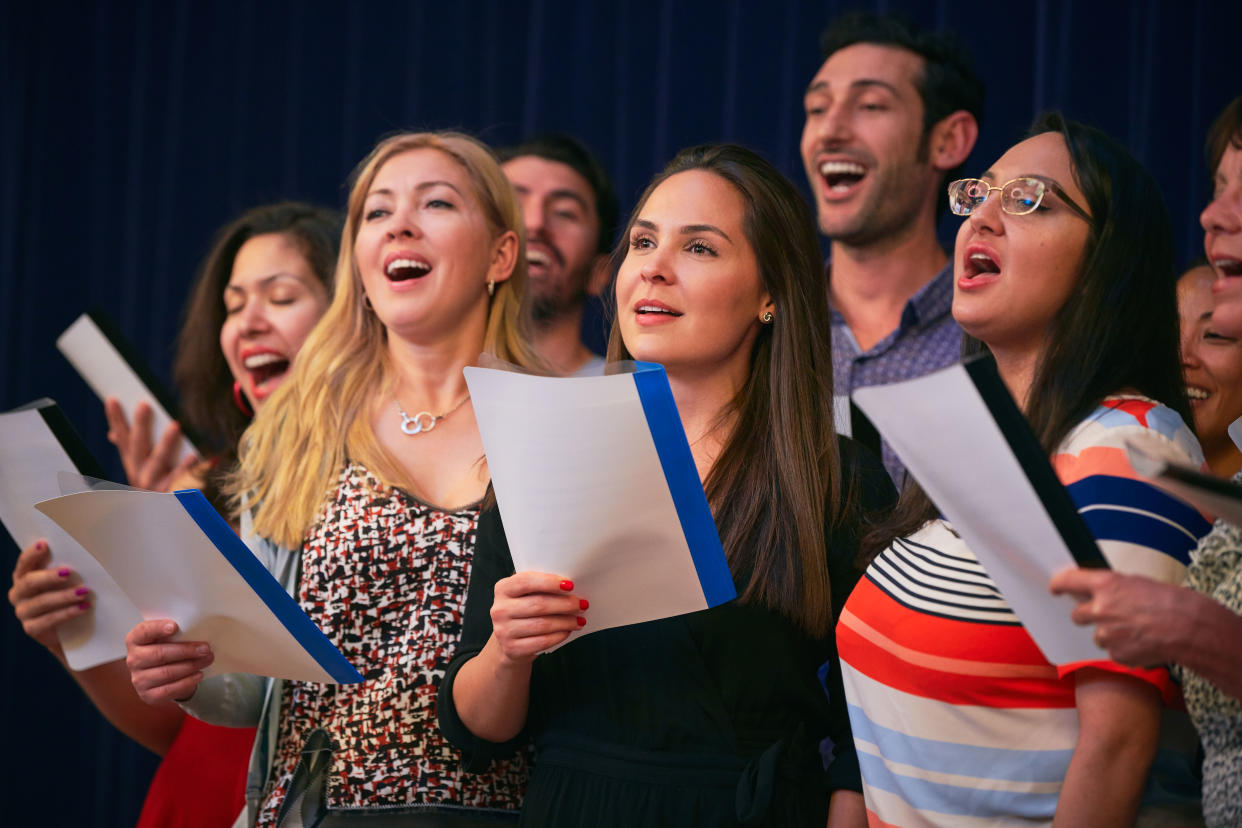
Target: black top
[711, 718]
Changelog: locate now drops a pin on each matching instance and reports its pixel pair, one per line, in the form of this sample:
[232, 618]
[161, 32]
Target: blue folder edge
[267, 588]
[683, 483]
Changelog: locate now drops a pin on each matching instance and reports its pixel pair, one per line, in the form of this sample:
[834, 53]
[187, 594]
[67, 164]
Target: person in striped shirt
[958, 717]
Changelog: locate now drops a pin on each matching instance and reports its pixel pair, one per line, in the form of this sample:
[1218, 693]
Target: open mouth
[537, 258]
[841, 176]
[644, 310]
[979, 264]
[402, 270]
[1228, 267]
[265, 367]
[1197, 394]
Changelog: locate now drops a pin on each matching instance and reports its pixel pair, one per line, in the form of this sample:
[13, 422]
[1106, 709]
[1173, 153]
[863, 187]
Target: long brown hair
[776, 489]
[1127, 273]
[292, 454]
[202, 375]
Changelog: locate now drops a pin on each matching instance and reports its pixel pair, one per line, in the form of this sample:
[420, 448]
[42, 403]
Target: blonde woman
[366, 474]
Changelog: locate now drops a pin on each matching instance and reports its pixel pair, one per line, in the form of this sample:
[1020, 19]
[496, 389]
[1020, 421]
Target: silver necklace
[423, 421]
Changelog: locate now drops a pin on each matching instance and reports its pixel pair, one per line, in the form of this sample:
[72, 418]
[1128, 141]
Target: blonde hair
[291, 454]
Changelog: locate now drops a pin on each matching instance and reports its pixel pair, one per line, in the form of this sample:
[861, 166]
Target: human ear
[504, 257]
[952, 139]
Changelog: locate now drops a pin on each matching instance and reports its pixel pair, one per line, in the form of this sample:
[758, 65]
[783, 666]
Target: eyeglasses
[1018, 197]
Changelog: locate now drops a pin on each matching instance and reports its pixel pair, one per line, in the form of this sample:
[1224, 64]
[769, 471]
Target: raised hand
[148, 464]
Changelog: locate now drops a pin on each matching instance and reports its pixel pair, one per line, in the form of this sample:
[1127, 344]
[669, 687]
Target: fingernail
[567, 586]
[583, 603]
[85, 605]
[581, 621]
[168, 628]
[202, 649]
[83, 590]
[63, 572]
[41, 546]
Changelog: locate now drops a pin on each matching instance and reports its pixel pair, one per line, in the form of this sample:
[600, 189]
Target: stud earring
[767, 318]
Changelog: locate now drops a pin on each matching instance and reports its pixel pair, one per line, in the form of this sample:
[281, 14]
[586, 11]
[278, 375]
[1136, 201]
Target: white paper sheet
[170, 568]
[30, 457]
[583, 493]
[942, 430]
[1211, 494]
[109, 375]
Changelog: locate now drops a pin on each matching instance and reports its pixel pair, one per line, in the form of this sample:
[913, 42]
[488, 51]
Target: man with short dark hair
[891, 116]
[570, 214]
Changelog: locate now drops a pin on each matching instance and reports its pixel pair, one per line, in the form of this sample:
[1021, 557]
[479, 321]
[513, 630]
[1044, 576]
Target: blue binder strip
[267, 588]
[683, 483]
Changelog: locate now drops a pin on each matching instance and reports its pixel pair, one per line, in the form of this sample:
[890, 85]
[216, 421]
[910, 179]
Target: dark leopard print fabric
[384, 576]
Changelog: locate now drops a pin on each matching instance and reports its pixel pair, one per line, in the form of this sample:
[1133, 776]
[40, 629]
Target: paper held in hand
[37, 442]
[113, 369]
[968, 445]
[175, 557]
[595, 482]
[1210, 493]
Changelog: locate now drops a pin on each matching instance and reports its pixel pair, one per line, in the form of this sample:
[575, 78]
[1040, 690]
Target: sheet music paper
[31, 455]
[110, 374]
[595, 482]
[177, 558]
[942, 429]
[1212, 494]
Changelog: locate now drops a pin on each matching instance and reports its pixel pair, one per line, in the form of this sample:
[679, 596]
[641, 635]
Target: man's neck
[871, 285]
[559, 341]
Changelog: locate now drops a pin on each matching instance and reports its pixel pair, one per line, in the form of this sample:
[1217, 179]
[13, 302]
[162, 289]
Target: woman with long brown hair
[713, 718]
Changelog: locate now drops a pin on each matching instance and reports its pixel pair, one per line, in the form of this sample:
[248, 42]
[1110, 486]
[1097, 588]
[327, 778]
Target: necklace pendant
[420, 422]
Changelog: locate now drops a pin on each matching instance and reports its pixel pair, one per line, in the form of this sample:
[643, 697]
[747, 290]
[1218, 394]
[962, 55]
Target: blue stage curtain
[130, 130]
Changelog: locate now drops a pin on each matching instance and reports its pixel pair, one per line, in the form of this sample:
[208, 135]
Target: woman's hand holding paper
[532, 612]
[43, 598]
[161, 669]
[148, 464]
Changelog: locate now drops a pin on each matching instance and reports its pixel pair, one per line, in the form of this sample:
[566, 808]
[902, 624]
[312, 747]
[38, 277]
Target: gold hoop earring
[767, 318]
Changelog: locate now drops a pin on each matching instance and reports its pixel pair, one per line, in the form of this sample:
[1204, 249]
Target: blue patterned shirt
[926, 340]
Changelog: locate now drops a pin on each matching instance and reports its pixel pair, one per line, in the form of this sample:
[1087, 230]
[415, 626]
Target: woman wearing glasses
[957, 716]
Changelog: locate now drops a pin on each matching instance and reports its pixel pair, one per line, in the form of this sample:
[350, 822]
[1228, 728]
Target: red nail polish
[85, 605]
[567, 585]
[63, 572]
[83, 590]
[41, 546]
[583, 603]
[581, 621]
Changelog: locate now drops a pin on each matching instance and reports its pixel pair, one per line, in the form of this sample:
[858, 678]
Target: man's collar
[929, 303]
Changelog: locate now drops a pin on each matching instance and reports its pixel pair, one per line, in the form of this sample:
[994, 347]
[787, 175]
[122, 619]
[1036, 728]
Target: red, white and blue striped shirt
[957, 716]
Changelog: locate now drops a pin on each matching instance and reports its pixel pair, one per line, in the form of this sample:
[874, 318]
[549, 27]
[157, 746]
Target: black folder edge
[864, 432]
[64, 432]
[1209, 483]
[1034, 462]
[142, 369]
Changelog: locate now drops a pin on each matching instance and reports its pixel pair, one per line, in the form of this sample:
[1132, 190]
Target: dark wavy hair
[203, 380]
[1128, 275]
[776, 490]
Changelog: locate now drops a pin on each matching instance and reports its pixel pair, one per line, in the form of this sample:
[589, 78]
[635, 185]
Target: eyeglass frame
[1046, 183]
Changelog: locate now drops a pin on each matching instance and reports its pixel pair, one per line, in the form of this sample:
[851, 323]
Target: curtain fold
[130, 130]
